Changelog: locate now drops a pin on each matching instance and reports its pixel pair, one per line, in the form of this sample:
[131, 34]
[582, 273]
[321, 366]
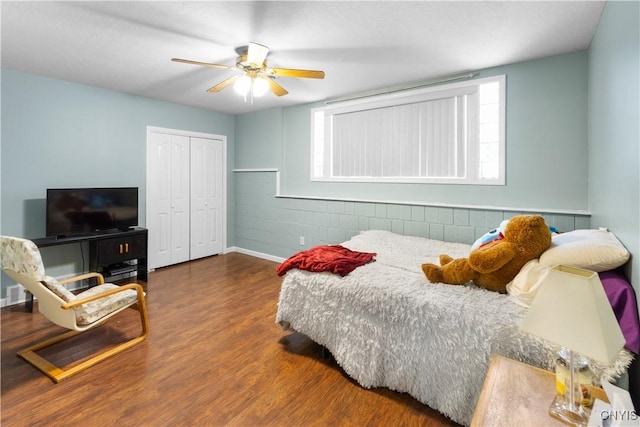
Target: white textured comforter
[387, 326]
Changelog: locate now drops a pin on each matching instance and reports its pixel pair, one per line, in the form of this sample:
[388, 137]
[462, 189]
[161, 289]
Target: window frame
[404, 97]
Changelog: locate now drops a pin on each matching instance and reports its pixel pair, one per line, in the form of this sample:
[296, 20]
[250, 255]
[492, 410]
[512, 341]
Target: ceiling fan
[256, 77]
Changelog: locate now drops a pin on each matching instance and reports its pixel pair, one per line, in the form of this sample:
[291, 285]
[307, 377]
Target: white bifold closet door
[184, 198]
[206, 197]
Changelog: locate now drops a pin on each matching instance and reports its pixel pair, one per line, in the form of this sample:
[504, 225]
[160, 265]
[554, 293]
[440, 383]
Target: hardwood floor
[214, 357]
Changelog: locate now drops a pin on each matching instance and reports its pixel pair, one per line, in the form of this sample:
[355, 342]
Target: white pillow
[523, 288]
[595, 250]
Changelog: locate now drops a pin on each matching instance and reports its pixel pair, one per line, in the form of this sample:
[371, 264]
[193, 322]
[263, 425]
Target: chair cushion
[95, 310]
[57, 288]
[21, 256]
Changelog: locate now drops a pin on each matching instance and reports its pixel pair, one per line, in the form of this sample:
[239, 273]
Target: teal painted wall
[273, 225]
[262, 133]
[614, 126]
[62, 134]
[546, 146]
[614, 135]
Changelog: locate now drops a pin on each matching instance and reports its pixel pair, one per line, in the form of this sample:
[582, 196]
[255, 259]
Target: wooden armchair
[21, 261]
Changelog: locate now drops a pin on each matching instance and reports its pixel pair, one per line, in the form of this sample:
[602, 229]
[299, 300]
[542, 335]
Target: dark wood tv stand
[109, 251]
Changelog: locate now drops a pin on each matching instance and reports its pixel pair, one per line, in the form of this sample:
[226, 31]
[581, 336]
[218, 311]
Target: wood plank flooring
[214, 357]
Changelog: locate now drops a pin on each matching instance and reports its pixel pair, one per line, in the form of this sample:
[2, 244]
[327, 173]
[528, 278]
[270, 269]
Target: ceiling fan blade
[223, 84]
[289, 72]
[206, 64]
[256, 54]
[276, 88]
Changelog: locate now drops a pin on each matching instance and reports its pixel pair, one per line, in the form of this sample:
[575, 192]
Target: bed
[387, 326]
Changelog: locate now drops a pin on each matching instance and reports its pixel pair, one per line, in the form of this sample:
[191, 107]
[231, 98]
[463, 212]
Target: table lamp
[572, 310]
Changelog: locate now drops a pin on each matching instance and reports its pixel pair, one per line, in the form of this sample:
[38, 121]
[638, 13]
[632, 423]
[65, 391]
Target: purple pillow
[623, 301]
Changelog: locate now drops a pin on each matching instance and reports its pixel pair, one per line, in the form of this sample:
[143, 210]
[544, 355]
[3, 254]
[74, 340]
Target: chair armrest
[99, 276]
[138, 288]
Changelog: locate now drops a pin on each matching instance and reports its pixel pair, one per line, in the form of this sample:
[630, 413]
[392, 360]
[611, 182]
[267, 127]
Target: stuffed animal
[489, 236]
[496, 263]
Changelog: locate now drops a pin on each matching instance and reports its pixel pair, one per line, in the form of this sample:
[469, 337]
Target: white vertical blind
[454, 134]
[420, 139]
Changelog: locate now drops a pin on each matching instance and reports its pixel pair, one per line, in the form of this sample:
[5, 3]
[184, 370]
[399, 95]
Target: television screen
[73, 211]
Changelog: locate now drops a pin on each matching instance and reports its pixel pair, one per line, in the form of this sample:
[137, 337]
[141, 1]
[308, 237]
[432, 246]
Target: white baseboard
[254, 253]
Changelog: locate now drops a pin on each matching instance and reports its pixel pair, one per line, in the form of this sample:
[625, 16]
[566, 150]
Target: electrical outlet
[302, 240]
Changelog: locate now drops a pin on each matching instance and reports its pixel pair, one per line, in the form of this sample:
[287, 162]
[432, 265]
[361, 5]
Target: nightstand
[517, 394]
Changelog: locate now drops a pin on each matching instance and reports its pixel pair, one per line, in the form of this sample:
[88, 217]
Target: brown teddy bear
[496, 263]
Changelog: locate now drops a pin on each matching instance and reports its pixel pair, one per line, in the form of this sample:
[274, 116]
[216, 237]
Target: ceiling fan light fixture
[257, 78]
[256, 86]
[242, 86]
[260, 87]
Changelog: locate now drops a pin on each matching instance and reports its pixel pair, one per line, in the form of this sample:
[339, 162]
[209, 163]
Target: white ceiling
[361, 46]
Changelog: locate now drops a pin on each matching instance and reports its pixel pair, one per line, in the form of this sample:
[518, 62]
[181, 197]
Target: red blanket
[334, 258]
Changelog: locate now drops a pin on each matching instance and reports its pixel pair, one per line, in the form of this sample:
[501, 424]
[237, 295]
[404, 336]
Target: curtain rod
[430, 83]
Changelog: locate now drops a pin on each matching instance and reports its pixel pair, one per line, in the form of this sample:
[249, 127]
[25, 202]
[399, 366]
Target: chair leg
[28, 302]
[58, 374]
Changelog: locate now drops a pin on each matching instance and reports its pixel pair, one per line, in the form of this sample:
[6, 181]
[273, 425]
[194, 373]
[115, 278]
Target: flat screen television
[82, 211]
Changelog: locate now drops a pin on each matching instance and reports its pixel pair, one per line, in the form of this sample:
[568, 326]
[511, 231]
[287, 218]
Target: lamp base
[572, 414]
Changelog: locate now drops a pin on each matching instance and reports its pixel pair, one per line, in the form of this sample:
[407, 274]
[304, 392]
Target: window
[446, 134]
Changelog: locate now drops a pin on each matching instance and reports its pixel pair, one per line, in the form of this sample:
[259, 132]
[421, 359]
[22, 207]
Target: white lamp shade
[242, 86]
[260, 86]
[572, 310]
